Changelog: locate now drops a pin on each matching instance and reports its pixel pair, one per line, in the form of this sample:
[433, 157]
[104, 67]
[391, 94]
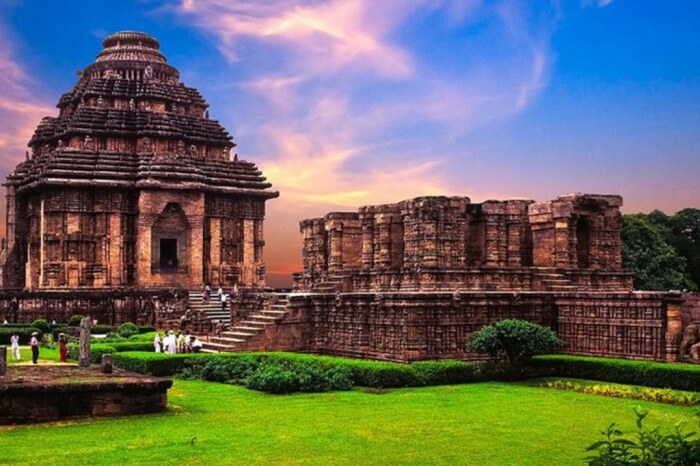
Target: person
[34, 343]
[234, 291]
[207, 293]
[204, 293]
[196, 344]
[181, 342]
[222, 297]
[172, 343]
[157, 343]
[4, 321]
[62, 348]
[14, 344]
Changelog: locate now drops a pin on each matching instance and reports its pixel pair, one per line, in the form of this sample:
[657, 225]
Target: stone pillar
[382, 258]
[3, 360]
[335, 247]
[368, 243]
[674, 327]
[84, 356]
[562, 248]
[248, 252]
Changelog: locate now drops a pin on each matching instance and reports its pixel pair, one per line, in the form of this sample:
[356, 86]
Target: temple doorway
[168, 253]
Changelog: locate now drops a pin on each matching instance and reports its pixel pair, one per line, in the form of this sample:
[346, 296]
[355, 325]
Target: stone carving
[84, 354]
[690, 343]
[181, 147]
[88, 143]
[192, 150]
[148, 72]
[132, 104]
[146, 145]
[100, 101]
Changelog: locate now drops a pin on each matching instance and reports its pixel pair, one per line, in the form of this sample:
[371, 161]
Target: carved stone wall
[406, 327]
[431, 243]
[109, 307]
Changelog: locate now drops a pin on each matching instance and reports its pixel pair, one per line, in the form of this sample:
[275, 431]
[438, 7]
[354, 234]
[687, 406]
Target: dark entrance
[582, 237]
[168, 253]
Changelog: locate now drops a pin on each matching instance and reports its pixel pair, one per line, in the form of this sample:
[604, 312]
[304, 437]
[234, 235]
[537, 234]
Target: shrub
[127, 329]
[100, 329]
[232, 369]
[650, 448]
[445, 372]
[98, 349]
[74, 320]
[146, 328]
[313, 378]
[25, 334]
[157, 364]
[273, 379]
[646, 373]
[518, 340]
[630, 392]
[42, 325]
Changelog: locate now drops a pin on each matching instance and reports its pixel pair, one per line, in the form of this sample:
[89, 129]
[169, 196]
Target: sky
[344, 103]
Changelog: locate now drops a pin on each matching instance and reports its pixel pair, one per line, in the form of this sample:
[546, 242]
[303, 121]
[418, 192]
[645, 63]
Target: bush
[146, 328]
[98, 349]
[646, 373]
[273, 379]
[127, 329]
[650, 448]
[517, 340]
[25, 334]
[74, 321]
[42, 325]
[629, 392]
[445, 372]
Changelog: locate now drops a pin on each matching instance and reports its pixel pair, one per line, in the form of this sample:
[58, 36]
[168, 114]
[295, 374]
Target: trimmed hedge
[25, 334]
[98, 349]
[645, 373]
[236, 367]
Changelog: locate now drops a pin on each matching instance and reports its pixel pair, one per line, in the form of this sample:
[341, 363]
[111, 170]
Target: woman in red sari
[62, 348]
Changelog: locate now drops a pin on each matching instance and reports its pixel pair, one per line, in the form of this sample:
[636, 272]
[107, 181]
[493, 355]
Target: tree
[517, 340]
[685, 239]
[655, 263]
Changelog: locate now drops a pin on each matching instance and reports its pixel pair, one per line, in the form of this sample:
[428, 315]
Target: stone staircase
[241, 334]
[212, 309]
[556, 282]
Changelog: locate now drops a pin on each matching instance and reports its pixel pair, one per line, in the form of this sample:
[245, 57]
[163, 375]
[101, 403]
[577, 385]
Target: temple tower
[132, 185]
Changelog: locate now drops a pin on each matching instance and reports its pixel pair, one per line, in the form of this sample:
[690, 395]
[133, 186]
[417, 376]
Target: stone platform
[31, 394]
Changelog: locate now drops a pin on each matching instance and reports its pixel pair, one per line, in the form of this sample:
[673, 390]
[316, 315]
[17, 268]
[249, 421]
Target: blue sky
[355, 102]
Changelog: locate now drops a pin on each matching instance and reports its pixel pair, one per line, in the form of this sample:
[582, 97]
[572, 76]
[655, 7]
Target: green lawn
[46, 356]
[481, 424]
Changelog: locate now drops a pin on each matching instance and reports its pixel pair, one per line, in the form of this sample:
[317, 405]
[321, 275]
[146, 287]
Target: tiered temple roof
[129, 121]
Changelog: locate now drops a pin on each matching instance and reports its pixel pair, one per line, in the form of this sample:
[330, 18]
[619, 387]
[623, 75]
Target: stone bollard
[3, 360]
[84, 354]
[106, 364]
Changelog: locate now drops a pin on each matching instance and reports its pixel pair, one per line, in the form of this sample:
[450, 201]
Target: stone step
[217, 347]
[247, 328]
[222, 340]
[264, 318]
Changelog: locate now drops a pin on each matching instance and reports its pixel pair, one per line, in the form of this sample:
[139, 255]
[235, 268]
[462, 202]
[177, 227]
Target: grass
[46, 356]
[481, 424]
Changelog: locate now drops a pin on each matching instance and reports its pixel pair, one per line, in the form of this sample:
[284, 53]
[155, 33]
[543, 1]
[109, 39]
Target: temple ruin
[132, 185]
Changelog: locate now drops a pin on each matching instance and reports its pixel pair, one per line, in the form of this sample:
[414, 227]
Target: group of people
[174, 343]
[221, 294]
[34, 345]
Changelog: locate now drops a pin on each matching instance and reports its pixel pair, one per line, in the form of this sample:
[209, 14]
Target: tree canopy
[663, 251]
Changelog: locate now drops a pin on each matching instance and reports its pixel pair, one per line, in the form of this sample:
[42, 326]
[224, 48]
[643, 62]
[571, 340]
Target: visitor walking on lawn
[14, 344]
[34, 343]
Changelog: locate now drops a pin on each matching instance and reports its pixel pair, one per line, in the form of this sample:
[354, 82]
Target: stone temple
[130, 200]
[132, 185]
